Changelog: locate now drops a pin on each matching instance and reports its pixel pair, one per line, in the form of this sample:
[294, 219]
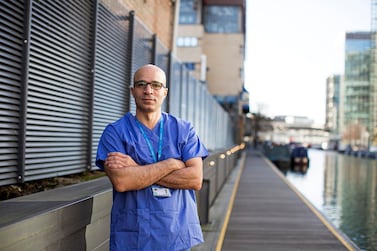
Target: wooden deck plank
[268, 215]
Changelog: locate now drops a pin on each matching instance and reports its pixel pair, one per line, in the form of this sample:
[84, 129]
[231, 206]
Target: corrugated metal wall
[162, 59]
[58, 91]
[142, 50]
[175, 89]
[111, 89]
[65, 73]
[11, 74]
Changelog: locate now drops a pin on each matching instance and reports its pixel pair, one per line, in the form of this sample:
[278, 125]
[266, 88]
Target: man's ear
[166, 91]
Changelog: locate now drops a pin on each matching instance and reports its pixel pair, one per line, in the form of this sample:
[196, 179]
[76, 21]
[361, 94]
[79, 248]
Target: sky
[292, 47]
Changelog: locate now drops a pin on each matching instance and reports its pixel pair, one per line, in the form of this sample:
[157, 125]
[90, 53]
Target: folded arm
[190, 177]
[125, 174]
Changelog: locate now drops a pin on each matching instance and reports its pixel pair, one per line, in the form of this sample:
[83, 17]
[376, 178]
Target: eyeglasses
[155, 85]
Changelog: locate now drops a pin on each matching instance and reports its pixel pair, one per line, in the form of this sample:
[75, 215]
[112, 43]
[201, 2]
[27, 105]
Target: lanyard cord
[149, 143]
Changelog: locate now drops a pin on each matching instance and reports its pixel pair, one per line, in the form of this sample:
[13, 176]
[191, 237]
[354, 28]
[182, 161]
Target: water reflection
[344, 188]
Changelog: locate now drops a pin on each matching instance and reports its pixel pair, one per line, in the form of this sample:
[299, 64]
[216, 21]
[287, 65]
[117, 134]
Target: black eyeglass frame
[142, 84]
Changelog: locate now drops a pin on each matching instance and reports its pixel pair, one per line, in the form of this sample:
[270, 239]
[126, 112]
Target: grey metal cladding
[111, 93]
[142, 51]
[59, 83]
[11, 47]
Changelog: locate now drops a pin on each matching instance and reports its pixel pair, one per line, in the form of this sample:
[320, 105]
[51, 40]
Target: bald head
[150, 71]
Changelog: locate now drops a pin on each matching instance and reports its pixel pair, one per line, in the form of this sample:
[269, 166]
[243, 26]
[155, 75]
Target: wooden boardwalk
[268, 214]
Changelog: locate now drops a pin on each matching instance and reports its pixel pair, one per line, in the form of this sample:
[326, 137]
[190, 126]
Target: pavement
[219, 212]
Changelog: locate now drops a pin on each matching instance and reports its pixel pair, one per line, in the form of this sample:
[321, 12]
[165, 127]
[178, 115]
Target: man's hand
[116, 160]
[125, 174]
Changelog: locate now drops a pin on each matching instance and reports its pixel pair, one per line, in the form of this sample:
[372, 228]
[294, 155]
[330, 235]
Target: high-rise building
[333, 84]
[357, 89]
[373, 76]
[333, 108]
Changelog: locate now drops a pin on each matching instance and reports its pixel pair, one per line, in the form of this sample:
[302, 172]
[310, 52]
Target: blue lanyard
[149, 143]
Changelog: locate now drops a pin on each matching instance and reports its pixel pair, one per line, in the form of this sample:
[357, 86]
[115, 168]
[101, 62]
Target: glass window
[190, 66]
[187, 41]
[187, 12]
[222, 19]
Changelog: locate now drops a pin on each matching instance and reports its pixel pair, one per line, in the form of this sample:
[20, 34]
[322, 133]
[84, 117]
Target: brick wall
[157, 15]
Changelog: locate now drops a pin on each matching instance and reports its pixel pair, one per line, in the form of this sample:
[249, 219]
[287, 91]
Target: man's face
[146, 92]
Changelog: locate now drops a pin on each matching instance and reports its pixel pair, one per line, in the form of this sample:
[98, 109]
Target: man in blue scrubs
[155, 163]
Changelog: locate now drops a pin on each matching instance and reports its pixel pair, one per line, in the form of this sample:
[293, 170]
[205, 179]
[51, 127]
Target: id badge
[159, 191]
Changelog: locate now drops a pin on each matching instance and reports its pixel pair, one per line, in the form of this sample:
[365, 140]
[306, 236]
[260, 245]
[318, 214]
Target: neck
[148, 119]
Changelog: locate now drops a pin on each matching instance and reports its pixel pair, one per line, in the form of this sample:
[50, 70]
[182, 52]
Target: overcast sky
[292, 46]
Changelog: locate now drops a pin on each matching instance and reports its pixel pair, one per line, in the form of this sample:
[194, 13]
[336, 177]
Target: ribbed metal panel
[11, 44]
[206, 125]
[184, 93]
[143, 51]
[174, 93]
[162, 61]
[162, 58]
[111, 92]
[203, 132]
[191, 98]
[199, 107]
[58, 88]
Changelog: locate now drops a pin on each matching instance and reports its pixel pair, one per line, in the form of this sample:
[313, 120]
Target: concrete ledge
[75, 217]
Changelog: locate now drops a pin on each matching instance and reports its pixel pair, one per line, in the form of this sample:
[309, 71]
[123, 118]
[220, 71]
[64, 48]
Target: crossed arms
[125, 174]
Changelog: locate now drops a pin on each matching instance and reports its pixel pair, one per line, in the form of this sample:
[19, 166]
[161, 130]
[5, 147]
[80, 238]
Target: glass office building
[333, 84]
[357, 85]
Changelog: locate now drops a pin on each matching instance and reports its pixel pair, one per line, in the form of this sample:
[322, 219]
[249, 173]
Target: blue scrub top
[139, 220]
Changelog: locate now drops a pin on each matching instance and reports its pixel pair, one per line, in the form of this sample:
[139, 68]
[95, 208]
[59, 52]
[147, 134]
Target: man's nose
[148, 89]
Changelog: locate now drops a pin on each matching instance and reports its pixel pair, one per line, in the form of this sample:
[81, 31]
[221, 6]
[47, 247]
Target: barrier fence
[65, 73]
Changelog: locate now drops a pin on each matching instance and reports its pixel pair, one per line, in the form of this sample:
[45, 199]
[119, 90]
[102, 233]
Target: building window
[222, 19]
[187, 41]
[190, 66]
[187, 12]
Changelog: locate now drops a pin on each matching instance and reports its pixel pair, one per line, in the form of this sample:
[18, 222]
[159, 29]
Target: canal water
[344, 189]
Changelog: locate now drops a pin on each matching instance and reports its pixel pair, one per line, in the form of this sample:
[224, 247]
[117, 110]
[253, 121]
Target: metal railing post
[91, 88]
[131, 31]
[24, 92]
